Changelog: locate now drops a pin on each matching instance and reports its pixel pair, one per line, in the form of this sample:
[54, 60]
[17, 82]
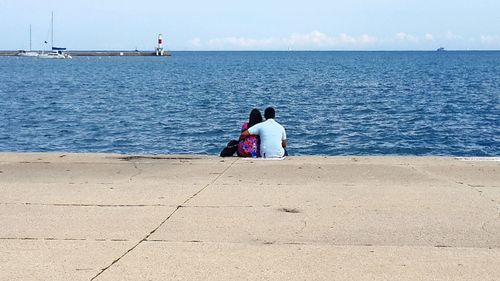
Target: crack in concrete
[438, 177]
[161, 224]
[289, 210]
[135, 246]
[472, 187]
[139, 172]
[303, 227]
[484, 225]
[476, 188]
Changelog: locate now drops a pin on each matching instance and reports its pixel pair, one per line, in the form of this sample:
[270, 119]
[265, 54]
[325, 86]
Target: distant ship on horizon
[440, 49]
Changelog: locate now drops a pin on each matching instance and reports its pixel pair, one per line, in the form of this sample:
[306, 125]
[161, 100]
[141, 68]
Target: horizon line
[267, 50]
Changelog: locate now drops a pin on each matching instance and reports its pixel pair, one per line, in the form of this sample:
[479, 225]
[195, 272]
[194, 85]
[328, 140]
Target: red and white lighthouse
[159, 49]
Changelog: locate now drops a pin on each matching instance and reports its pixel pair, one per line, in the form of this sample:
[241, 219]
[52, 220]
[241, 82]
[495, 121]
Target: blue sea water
[331, 103]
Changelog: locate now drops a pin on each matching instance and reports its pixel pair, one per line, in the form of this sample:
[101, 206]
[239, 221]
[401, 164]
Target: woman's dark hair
[255, 117]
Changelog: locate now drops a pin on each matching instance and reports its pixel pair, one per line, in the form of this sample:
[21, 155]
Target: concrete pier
[98, 53]
[116, 217]
[116, 54]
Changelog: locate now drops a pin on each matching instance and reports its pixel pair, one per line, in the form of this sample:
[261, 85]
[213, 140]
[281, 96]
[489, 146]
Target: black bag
[230, 149]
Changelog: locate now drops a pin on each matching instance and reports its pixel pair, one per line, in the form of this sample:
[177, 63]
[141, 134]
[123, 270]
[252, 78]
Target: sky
[253, 25]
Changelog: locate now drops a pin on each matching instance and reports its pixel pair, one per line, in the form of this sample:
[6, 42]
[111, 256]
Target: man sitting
[272, 136]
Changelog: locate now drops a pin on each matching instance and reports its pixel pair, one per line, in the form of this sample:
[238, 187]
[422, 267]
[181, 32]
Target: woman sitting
[250, 145]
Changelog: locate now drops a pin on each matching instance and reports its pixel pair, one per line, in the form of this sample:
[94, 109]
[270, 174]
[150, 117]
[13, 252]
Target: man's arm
[284, 141]
[254, 130]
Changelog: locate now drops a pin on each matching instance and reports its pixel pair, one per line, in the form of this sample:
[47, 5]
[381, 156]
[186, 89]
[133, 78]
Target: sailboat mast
[52, 31]
[30, 37]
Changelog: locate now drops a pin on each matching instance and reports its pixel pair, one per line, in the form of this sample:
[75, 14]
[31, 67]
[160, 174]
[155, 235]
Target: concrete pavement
[115, 217]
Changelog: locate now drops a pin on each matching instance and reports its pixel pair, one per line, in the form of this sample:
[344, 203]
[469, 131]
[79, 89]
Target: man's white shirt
[271, 135]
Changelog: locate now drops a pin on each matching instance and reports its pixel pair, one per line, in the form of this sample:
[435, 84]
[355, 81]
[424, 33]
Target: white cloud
[240, 42]
[405, 37]
[490, 39]
[195, 42]
[368, 39]
[345, 39]
[311, 40]
[452, 37]
[317, 40]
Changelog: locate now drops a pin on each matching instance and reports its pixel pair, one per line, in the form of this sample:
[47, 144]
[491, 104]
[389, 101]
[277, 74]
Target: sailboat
[56, 52]
[29, 53]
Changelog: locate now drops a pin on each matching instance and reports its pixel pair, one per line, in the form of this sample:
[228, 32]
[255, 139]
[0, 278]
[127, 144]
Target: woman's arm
[244, 134]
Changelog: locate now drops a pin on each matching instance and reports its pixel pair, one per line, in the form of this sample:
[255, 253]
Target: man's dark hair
[269, 113]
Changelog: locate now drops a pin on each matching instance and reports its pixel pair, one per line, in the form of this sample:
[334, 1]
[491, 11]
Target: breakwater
[98, 53]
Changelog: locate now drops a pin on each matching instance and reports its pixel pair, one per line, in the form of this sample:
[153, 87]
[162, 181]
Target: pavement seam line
[163, 222]
[65, 239]
[320, 244]
[87, 205]
[210, 183]
[135, 246]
